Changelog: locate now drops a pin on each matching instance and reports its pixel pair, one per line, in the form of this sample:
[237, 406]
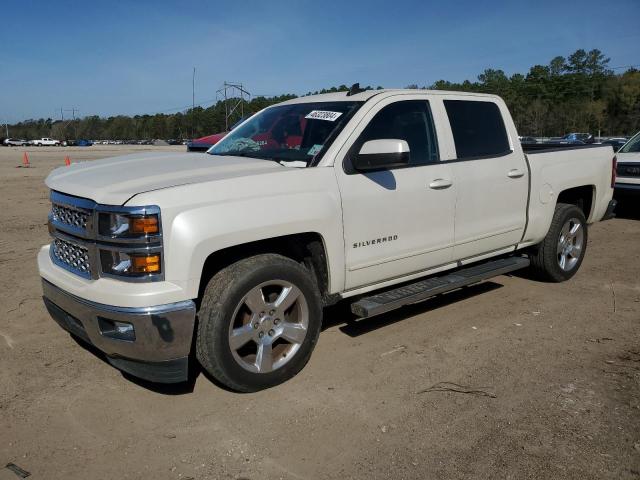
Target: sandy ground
[561, 360]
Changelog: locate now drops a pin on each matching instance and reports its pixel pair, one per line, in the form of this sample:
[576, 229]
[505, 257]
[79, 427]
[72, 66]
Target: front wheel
[559, 256]
[258, 323]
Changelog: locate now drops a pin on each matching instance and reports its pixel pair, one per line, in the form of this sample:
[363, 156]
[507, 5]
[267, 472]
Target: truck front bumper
[152, 343]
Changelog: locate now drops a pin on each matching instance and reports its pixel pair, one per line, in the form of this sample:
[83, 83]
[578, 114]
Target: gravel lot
[561, 363]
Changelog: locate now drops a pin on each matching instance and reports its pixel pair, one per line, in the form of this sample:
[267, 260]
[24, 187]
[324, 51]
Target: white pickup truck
[383, 198]
[628, 169]
[45, 142]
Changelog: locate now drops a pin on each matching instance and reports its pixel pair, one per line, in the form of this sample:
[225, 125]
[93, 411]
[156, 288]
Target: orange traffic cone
[25, 160]
[67, 161]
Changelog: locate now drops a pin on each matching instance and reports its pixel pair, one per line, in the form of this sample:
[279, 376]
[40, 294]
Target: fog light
[116, 329]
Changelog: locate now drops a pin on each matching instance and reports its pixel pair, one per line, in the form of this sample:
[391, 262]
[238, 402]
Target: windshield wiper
[235, 154]
[248, 155]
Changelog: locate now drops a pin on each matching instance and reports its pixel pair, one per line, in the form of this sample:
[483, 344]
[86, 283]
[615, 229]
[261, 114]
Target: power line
[624, 66]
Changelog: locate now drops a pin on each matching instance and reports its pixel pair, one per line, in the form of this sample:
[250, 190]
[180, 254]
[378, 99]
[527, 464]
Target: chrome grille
[73, 256]
[77, 242]
[69, 216]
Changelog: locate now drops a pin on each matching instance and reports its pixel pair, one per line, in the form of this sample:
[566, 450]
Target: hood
[113, 181]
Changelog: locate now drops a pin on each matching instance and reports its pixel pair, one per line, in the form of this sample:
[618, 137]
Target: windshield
[290, 134]
[633, 146]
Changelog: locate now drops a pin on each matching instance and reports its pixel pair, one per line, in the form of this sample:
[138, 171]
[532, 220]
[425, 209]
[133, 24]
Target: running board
[423, 289]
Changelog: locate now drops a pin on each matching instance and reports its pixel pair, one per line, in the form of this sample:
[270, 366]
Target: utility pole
[73, 111]
[193, 102]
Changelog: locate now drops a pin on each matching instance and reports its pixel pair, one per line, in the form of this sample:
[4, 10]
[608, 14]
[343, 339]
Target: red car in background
[203, 144]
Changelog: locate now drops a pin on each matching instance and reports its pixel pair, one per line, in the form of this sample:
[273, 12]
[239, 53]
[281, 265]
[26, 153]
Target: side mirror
[382, 154]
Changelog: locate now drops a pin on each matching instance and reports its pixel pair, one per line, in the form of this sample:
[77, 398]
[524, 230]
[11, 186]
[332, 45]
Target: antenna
[355, 88]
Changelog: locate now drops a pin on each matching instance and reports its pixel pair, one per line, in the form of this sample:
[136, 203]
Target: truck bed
[555, 169]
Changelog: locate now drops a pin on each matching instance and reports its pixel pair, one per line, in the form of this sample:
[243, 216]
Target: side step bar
[423, 289]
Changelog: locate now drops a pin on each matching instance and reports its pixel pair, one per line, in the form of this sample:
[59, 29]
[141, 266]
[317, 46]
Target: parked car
[578, 138]
[45, 142]
[380, 198]
[628, 168]
[15, 142]
[528, 140]
[616, 143]
[205, 143]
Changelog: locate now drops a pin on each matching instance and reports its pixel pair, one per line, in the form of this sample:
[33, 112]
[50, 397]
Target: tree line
[577, 93]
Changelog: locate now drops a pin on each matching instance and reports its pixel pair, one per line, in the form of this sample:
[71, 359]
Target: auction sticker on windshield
[323, 115]
[315, 149]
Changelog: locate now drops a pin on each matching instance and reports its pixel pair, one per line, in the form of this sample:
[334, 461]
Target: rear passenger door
[490, 174]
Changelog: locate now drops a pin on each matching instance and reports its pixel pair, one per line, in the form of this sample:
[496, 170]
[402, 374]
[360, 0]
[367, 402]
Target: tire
[559, 256]
[272, 343]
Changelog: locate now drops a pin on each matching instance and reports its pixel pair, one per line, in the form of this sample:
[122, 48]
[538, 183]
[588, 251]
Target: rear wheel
[258, 323]
[559, 256]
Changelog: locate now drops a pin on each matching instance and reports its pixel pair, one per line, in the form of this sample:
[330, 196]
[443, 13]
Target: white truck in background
[45, 142]
[628, 169]
[380, 198]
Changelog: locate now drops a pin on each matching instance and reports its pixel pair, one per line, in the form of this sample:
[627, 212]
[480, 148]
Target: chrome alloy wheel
[570, 244]
[268, 326]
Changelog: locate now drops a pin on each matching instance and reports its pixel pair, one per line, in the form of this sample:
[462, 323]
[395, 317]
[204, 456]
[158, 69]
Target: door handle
[440, 183]
[515, 173]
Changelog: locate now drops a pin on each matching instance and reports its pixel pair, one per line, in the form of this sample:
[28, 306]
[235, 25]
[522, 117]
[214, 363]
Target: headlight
[130, 243]
[121, 225]
[130, 264]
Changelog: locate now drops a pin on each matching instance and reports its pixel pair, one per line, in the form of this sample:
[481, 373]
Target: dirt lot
[561, 362]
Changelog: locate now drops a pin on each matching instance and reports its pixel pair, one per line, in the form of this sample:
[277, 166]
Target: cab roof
[367, 94]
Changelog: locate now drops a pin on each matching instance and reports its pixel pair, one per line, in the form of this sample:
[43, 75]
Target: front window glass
[633, 146]
[290, 134]
[408, 120]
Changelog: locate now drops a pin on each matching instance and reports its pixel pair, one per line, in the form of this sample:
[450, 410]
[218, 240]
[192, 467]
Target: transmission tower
[233, 95]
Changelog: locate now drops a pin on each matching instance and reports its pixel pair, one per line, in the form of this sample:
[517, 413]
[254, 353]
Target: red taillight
[614, 165]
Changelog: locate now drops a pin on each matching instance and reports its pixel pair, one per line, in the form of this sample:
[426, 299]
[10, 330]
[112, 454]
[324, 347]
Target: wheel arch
[308, 248]
[582, 197]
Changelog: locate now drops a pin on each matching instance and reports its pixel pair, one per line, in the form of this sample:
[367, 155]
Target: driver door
[400, 221]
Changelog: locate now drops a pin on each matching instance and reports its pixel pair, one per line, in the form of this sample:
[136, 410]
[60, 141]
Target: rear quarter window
[478, 129]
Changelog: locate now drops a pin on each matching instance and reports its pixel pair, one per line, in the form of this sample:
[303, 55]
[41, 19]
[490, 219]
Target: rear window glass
[478, 129]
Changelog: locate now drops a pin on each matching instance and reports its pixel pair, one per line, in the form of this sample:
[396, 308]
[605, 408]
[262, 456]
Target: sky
[133, 57]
